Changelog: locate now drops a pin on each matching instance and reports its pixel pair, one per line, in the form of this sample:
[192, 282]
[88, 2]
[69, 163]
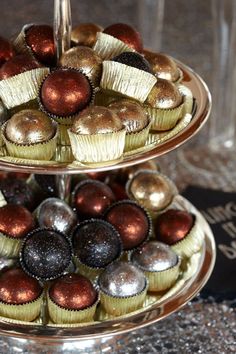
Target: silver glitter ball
[122, 279]
[55, 213]
[154, 257]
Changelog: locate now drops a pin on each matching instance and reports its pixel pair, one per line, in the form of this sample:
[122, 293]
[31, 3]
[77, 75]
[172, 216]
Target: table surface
[204, 325]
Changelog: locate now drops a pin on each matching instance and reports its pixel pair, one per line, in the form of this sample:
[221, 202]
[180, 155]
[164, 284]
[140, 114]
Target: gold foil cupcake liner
[108, 47]
[89, 272]
[127, 80]
[63, 137]
[97, 148]
[38, 151]
[9, 246]
[118, 306]
[22, 312]
[191, 243]
[134, 140]
[188, 98]
[19, 42]
[21, 88]
[180, 76]
[61, 315]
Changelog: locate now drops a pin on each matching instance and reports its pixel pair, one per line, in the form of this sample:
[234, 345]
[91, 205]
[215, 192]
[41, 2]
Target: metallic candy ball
[29, 127]
[40, 39]
[154, 257]
[6, 50]
[56, 214]
[126, 34]
[173, 225]
[151, 189]
[73, 292]
[97, 120]
[135, 60]
[15, 221]
[164, 95]
[85, 34]
[16, 287]
[17, 65]
[121, 279]
[131, 113]
[126, 173]
[162, 65]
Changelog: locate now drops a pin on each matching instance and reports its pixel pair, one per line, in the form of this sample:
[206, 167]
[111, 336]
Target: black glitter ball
[135, 60]
[96, 243]
[17, 191]
[45, 254]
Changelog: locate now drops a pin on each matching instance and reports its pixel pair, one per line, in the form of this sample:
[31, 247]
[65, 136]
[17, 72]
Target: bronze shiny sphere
[164, 95]
[85, 34]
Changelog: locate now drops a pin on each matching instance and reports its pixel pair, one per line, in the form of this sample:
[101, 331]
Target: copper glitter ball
[131, 113]
[40, 39]
[91, 198]
[17, 65]
[29, 127]
[73, 292]
[131, 221]
[96, 120]
[126, 34]
[65, 92]
[6, 50]
[162, 65]
[85, 34]
[16, 287]
[86, 59]
[173, 225]
[15, 220]
[164, 95]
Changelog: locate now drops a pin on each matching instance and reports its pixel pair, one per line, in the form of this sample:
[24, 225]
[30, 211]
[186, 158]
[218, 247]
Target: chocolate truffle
[40, 40]
[91, 198]
[65, 92]
[164, 95]
[85, 34]
[173, 225]
[73, 292]
[45, 254]
[16, 191]
[135, 60]
[126, 34]
[6, 50]
[17, 65]
[131, 221]
[16, 287]
[96, 243]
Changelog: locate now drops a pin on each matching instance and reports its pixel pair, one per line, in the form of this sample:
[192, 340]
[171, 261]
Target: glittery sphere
[17, 65]
[151, 189]
[73, 292]
[131, 221]
[135, 60]
[118, 189]
[154, 257]
[6, 50]
[45, 254]
[126, 34]
[85, 34]
[96, 243]
[96, 120]
[17, 191]
[40, 39]
[16, 287]
[65, 92]
[15, 220]
[122, 279]
[128, 172]
[29, 127]
[131, 113]
[173, 225]
[164, 95]
[86, 59]
[162, 65]
[56, 214]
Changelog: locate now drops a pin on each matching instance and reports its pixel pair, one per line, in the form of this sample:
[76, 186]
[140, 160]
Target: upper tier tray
[157, 145]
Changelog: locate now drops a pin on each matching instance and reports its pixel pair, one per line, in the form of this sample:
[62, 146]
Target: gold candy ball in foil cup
[85, 34]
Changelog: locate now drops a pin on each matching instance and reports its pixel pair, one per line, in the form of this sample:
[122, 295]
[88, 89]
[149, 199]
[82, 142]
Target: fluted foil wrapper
[89, 272]
[108, 47]
[19, 42]
[61, 315]
[9, 246]
[63, 137]
[22, 88]
[97, 147]
[128, 81]
[164, 119]
[134, 140]
[180, 77]
[23, 312]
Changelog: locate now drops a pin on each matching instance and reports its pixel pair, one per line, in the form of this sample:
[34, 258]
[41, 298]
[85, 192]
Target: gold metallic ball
[96, 120]
[131, 113]
[85, 34]
[127, 173]
[29, 127]
[164, 95]
[162, 65]
[151, 189]
[86, 59]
